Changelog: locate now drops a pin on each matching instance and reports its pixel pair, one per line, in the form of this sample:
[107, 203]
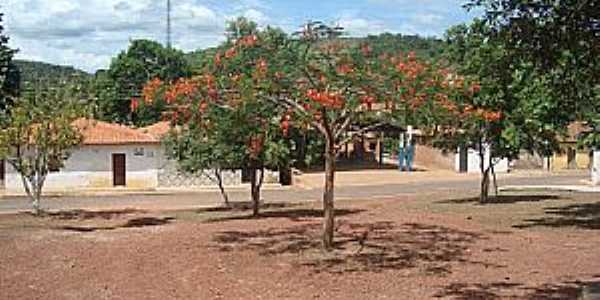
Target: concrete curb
[156, 192]
[555, 188]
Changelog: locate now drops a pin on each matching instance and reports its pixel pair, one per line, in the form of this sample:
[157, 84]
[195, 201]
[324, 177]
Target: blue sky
[88, 33]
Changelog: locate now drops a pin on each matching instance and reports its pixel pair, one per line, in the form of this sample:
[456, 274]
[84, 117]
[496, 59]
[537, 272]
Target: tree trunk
[485, 176]
[219, 177]
[328, 196]
[485, 187]
[495, 179]
[33, 188]
[256, 185]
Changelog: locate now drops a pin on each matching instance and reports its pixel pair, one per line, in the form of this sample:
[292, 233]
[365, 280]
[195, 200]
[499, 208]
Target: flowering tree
[311, 80]
[223, 124]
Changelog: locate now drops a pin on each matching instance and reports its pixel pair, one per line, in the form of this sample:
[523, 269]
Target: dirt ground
[411, 247]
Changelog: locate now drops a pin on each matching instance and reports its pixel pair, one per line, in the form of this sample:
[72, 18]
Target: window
[138, 151]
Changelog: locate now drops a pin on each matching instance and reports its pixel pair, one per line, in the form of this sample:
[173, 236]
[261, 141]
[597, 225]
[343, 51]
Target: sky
[87, 34]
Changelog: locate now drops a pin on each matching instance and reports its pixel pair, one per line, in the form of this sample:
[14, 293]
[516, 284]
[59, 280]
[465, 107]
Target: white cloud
[362, 27]
[87, 33]
[257, 16]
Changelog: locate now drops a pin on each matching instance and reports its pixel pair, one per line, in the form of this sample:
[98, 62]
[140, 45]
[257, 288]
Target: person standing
[401, 152]
[410, 154]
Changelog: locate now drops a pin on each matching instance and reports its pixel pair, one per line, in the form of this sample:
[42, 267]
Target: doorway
[463, 159]
[2, 174]
[571, 158]
[119, 169]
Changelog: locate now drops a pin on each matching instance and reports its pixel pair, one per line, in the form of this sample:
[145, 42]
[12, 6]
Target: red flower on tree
[135, 104]
[149, 90]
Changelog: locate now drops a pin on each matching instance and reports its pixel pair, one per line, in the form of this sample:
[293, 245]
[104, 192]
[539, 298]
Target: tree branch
[289, 103]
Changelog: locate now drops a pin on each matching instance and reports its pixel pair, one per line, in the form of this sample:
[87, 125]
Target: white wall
[473, 162]
[596, 168]
[90, 167]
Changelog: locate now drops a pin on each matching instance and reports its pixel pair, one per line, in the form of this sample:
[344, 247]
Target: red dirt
[408, 252]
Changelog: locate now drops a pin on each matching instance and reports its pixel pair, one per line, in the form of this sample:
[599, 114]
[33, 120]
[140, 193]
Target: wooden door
[119, 170]
[2, 170]
[463, 159]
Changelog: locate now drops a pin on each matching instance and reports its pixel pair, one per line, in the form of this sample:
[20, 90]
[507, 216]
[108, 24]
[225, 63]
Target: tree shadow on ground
[507, 289]
[291, 214]
[582, 216]
[132, 223]
[79, 214]
[361, 247]
[240, 206]
[503, 199]
[476, 291]
[354, 165]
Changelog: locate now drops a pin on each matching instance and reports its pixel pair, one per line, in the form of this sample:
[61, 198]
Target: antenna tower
[168, 23]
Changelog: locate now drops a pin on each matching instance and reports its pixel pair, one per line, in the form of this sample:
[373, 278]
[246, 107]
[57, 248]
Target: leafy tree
[9, 74]
[513, 107]
[39, 134]
[217, 135]
[325, 84]
[427, 48]
[559, 41]
[313, 80]
[215, 139]
[129, 71]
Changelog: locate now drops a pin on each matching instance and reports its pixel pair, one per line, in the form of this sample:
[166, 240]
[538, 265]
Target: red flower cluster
[182, 87]
[442, 100]
[410, 68]
[285, 123]
[230, 53]
[489, 116]
[366, 49]
[475, 88]
[262, 66]
[345, 69]
[256, 145]
[492, 116]
[248, 41]
[135, 104]
[149, 90]
[244, 42]
[368, 101]
[327, 99]
[418, 100]
[203, 107]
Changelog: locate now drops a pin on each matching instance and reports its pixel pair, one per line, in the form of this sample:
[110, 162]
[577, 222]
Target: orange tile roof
[157, 130]
[102, 133]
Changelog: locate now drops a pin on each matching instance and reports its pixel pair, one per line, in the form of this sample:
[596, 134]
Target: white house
[117, 156]
[596, 168]
[111, 156]
[468, 161]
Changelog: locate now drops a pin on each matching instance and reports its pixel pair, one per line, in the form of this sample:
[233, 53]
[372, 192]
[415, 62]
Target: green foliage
[223, 136]
[558, 41]
[532, 113]
[9, 74]
[32, 71]
[129, 71]
[427, 48]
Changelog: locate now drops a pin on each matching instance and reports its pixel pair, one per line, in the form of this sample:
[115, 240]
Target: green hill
[424, 47]
[32, 71]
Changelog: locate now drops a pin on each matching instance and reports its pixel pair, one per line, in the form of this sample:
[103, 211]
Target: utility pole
[168, 23]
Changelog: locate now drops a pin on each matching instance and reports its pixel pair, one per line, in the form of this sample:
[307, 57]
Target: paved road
[204, 199]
